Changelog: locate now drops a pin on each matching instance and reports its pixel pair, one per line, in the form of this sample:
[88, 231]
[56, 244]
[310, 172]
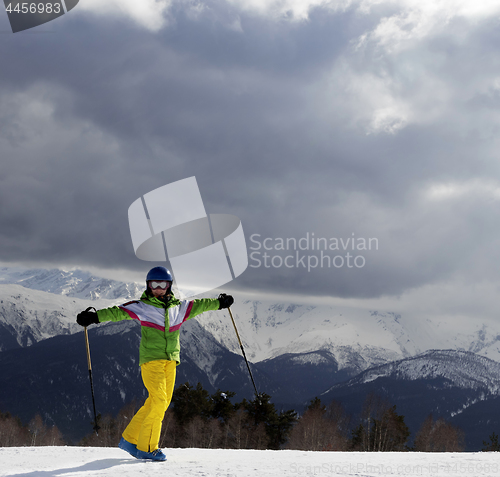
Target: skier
[161, 316]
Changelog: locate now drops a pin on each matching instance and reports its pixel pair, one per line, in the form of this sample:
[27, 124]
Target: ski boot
[155, 455]
[128, 447]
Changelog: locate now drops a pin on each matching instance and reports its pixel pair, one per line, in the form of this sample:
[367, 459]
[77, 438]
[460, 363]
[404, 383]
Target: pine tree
[493, 445]
[262, 414]
[280, 427]
[222, 408]
[189, 402]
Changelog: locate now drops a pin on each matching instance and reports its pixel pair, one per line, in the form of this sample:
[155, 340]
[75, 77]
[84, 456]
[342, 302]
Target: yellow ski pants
[145, 427]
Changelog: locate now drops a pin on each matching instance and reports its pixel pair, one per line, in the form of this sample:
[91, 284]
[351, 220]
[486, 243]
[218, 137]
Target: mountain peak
[73, 283]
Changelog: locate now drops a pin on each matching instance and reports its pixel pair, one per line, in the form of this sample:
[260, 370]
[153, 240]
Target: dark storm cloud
[295, 127]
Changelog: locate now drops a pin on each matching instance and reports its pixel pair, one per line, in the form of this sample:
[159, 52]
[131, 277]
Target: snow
[271, 329]
[72, 283]
[98, 461]
[358, 338]
[39, 314]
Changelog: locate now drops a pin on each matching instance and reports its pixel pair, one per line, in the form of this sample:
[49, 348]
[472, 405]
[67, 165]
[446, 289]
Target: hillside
[446, 383]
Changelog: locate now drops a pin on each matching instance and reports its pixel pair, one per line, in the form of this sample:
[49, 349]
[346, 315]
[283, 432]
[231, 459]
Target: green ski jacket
[160, 322]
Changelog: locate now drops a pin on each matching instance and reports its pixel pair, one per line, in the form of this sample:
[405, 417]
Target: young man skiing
[161, 316]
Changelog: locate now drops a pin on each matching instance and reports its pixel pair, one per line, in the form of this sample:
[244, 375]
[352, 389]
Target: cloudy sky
[342, 119]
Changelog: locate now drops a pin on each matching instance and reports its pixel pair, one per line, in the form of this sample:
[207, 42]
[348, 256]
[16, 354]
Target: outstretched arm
[187, 309]
[92, 316]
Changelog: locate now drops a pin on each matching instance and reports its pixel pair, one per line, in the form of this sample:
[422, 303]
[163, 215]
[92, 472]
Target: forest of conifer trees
[197, 419]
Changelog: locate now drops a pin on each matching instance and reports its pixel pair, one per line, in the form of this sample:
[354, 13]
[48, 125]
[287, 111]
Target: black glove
[87, 317]
[225, 301]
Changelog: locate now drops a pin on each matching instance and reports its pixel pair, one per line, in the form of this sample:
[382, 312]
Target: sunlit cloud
[458, 190]
[150, 14]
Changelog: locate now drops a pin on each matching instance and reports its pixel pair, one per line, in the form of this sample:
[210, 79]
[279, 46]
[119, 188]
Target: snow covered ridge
[358, 338]
[113, 462]
[30, 316]
[72, 283]
[36, 304]
[462, 369]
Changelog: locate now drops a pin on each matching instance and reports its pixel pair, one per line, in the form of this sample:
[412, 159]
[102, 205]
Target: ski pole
[96, 427]
[243, 352]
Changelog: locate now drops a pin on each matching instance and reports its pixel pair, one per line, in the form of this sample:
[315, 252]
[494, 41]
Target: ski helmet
[159, 274]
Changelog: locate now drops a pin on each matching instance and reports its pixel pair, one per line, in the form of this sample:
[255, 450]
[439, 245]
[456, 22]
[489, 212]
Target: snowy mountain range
[460, 386]
[70, 283]
[461, 369]
[357, 338]
[298, 351]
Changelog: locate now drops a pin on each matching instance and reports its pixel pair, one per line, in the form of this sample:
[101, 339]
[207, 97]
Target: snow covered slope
[44, 303]
[72, 283]
[461, 369]
[28, 316]
[273, 329]
[357, 338]
[37, 304]
[113, 462]
[446, 383]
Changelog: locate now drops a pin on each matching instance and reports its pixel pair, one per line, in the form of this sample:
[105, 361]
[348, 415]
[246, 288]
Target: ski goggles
[154, 284]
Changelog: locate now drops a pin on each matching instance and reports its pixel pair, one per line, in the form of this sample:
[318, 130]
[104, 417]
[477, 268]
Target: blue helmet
[159, 273]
